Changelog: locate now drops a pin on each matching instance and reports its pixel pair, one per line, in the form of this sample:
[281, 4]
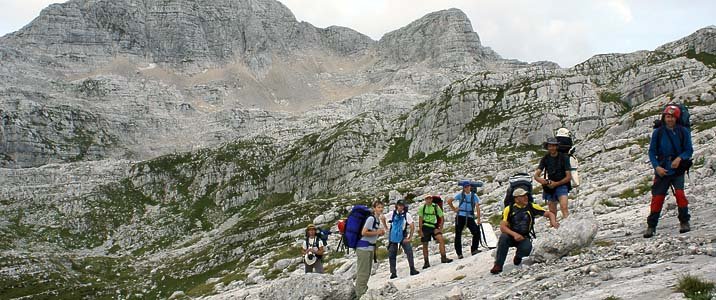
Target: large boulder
[576, 232]
[310, 286]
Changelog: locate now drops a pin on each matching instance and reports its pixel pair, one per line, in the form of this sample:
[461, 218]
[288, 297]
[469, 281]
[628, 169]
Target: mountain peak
[446, 38]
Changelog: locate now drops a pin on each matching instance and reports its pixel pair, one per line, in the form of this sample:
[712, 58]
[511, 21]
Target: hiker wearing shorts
[398, 222]
[556, 177]
[516, 225]
[313, 250]
[670, 147]
[366, 247]
[428, 214]
[467, 213]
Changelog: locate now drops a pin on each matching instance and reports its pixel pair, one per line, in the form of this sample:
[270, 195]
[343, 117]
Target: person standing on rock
[516, 225]
[366, 247]
[467, 212]
[313, 251]
[400, 220]
[670, 146]
[428, 214]
[556, 177]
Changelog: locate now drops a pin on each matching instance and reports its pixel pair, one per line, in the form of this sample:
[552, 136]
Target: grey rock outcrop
[310, 286]
[576, 232]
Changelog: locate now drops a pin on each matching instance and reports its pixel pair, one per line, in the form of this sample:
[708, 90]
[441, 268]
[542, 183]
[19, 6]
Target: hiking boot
[445, 260]
[414, 272]
[496, 269]
[649, 232]
[393, 276]
[475, 252]
[684, 227]
[459, 256]
[517, 260]
[426, 265]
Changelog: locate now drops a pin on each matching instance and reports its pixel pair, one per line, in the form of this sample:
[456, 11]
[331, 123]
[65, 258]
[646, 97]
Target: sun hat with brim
[519, 192]
[550, 141]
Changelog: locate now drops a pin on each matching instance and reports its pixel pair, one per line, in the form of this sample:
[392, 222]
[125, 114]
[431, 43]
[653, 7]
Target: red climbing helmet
[672, 110]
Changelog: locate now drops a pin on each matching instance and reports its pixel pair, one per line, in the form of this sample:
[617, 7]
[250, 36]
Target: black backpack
[519, 180]
[530, 231]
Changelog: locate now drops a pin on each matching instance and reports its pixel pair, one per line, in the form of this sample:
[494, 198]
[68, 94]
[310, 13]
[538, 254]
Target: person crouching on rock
[312, 251]
[366, 247]
[516, 225]
[399, 221]
[428, 214]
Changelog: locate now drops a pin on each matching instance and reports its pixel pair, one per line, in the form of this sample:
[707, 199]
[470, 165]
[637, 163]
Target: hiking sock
[684, 216]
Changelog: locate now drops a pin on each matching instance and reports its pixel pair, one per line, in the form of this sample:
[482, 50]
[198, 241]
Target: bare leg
[563, 206]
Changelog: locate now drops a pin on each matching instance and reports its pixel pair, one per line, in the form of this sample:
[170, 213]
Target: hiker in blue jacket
[670, 149]
[468, 212]
[400, 233]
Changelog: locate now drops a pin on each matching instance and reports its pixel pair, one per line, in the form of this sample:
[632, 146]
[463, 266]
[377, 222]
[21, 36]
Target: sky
[564, 31]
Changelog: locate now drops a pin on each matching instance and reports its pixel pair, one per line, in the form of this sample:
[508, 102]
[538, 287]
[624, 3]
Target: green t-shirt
[429, 214]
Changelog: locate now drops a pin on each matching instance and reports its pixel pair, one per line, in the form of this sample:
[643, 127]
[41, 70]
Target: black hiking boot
[517, 260]
[414, 272]
[649, 232]
[426, 265]
[475, 252]
[393, 276]
[445, 260]
[684, 227]
[459, 256]
[496, 269]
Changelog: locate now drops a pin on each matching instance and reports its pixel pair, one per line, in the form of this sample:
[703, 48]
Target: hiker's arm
[505, 228]
[320, 250]
[420, 226]
[652, 150]
[564, 180]
[689, 147]
[552, 219]
[449, 202]
[538, 177]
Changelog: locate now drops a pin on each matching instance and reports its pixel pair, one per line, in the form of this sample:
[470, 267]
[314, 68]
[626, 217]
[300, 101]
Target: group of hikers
[670, 154]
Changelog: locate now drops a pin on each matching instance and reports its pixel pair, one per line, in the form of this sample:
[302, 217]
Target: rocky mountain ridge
[224, 217]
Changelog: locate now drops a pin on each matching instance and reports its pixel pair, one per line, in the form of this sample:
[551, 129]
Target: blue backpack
[399, 224]
[354, 224]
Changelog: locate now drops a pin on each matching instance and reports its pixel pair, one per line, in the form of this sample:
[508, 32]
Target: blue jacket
[667, 153]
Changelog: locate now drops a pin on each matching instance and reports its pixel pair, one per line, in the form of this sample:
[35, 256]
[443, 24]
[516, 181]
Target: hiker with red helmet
[670, 152]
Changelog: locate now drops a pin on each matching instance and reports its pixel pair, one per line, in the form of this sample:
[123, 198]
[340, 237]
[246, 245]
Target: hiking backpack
[354, 224]
[519, 180]
[435, 213]
[566, 146]
[398, 227]
[528, 213]
[684, 121]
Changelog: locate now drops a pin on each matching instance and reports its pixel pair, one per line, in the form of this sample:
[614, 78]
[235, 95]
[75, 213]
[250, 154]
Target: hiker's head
[671, 114]
[520, 196]
[551, 145]
[378, 206]
[311, 230]
[465, 184]
[400, 206]
[428, 198]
